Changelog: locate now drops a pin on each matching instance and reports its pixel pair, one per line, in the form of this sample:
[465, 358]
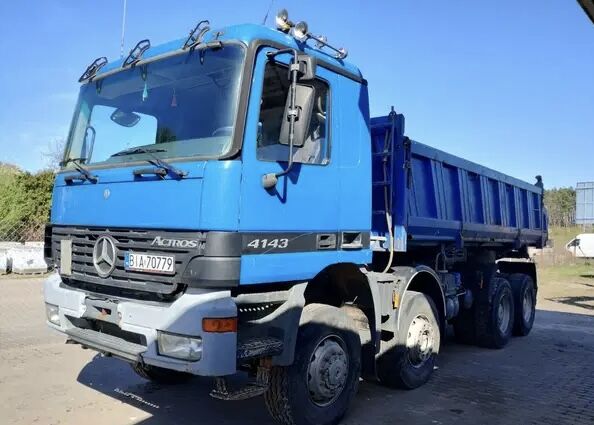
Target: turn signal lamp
[219, 325]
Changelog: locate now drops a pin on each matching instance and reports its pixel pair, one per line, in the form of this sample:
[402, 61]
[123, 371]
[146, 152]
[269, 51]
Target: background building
[584, 203]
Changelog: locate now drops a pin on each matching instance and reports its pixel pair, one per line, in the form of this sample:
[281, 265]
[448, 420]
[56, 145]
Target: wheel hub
[420, 340]
[527, 305]
[327, 371]
[504, 313]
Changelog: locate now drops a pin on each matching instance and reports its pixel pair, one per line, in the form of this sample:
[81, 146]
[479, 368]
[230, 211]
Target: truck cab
[159, 211]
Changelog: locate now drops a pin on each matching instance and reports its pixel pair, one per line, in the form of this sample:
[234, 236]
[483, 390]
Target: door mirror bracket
[298, 109]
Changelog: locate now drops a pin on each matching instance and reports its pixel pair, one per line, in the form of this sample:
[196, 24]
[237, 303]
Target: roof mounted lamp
[282, 21]
[300, 32]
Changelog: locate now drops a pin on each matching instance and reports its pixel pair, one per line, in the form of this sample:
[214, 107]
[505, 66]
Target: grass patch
[562, 235]
[581, 269]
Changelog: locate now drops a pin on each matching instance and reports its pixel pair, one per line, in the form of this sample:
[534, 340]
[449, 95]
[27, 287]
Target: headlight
[179, 346]
[52, 313]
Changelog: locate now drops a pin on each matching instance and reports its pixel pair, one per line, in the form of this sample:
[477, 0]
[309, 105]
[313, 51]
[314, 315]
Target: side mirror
[304, 101]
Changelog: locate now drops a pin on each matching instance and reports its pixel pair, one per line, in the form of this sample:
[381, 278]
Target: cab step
[222, 392]
[255, 388]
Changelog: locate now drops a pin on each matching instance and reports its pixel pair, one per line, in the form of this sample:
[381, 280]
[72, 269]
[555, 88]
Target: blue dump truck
[227, 205]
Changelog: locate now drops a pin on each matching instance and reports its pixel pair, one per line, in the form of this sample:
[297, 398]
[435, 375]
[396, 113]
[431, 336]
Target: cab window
[272, 107]
[575, 242]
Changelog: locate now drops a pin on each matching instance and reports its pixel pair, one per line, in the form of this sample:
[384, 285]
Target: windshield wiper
[155, 160]
[84, 173]
[133, 151]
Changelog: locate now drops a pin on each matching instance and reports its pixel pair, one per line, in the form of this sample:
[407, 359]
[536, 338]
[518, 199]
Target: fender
[282, 323]
[431, 285]
[510, 266]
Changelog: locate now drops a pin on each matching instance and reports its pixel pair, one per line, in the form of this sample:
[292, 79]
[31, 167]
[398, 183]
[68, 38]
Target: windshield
[182, 106]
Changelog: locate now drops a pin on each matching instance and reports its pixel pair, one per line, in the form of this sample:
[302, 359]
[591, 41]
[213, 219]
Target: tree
[54, 153]
[560, 204]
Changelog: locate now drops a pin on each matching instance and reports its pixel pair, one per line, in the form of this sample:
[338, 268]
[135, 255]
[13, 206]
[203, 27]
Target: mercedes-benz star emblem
[104, 256]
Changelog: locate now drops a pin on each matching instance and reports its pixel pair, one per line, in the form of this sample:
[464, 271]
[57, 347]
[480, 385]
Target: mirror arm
[270, 180]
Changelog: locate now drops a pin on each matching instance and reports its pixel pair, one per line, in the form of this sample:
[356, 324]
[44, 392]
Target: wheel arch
[422, 279]
[337, 285]
[509, 267]
[346, 284]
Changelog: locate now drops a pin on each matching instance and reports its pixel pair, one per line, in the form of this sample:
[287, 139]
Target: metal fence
[20, 231]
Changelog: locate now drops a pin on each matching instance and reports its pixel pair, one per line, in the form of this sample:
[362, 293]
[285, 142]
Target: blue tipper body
[436, 197]
[433, 196]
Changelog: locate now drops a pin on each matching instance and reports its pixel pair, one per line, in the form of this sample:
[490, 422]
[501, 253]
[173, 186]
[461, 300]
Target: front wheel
[323, 379]
[410, 362]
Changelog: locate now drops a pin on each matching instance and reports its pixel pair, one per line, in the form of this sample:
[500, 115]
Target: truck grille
[85, 276]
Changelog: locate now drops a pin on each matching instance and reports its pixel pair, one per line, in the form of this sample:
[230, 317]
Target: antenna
[267, 12]
[123, 29]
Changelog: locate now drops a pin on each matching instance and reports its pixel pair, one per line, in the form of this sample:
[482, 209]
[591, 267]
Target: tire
[160, 375]
[326, 336]
[524, 303]
[402, 366]
[495, 314]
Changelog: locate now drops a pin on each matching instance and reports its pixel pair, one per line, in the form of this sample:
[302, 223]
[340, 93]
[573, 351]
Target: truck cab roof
[252, 36]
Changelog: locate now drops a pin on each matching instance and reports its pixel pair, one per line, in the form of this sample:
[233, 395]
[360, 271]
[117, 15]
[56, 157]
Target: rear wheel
[159, 374]
[495, 314]
[410, 362]
[324, 377]
[524, 303]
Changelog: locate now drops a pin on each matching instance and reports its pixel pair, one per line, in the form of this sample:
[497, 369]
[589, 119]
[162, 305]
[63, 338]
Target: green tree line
[560, 204]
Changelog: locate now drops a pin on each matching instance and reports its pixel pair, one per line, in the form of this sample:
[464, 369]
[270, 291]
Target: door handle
[141, 172]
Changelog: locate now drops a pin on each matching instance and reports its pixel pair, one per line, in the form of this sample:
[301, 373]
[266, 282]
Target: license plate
[149, 263]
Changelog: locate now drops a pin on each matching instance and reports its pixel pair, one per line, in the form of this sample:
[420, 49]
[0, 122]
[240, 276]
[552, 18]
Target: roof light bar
[301, 33]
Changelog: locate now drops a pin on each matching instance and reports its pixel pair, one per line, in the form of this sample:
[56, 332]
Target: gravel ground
[547, 377]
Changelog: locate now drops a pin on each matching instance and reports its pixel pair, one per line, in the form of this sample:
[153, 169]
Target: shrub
[25, 202]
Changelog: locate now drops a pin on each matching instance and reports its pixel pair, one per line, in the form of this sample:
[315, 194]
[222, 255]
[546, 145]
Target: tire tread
[486, 331]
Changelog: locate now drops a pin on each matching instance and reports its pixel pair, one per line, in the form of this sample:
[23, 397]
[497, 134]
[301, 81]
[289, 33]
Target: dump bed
[434, 197]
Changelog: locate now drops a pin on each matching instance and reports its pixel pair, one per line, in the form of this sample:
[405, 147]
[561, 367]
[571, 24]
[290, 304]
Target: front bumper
[183, 316]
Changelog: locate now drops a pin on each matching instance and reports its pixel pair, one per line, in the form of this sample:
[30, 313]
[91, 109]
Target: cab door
[290, 231]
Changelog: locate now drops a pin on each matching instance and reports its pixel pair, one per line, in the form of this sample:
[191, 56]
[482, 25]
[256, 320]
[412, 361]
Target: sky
[508, 84]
